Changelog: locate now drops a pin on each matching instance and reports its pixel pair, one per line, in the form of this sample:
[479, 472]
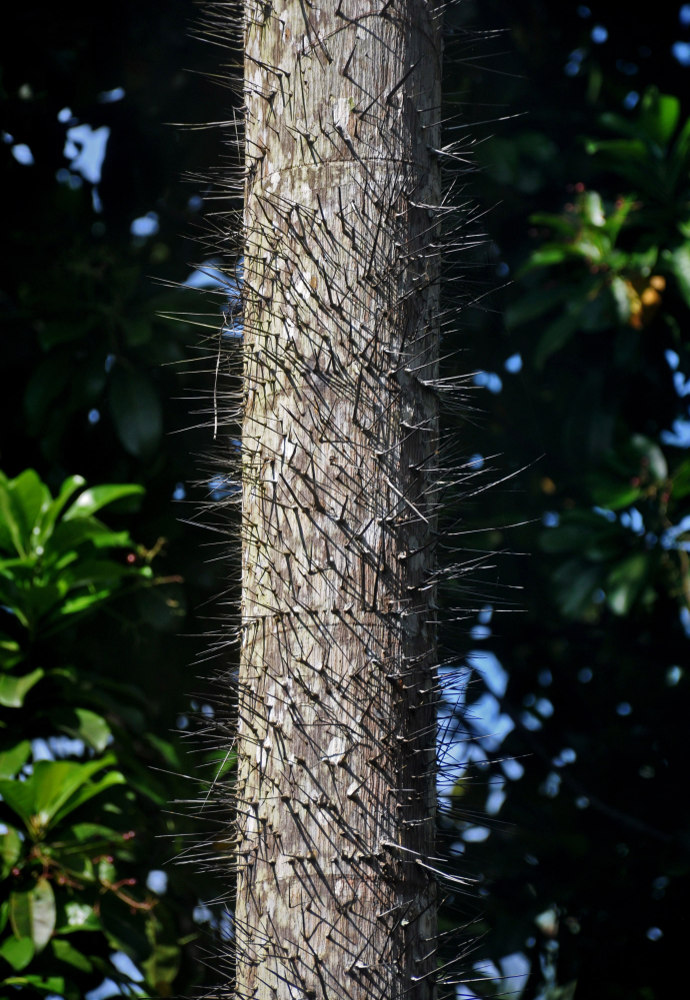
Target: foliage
[72, 807]
[576, 702]
[95, 379]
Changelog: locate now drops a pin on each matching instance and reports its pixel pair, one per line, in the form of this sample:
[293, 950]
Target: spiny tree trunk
[336, 774]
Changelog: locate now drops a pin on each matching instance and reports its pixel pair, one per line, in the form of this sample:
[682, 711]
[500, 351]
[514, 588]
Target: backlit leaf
[13, 689]
[32, 913]
[17, 951]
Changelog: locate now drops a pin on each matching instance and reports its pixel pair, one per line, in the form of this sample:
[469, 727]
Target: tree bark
[336, 774]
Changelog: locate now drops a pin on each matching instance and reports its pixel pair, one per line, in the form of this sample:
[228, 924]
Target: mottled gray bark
[336, 774]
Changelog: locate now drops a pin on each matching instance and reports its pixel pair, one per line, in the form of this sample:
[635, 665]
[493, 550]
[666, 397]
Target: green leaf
[18, 796]
[626, 581]
[168, 751]
[51, 984]
[679, 262]
[10, 851]
[17, 951]
[14, 759]
[30, 499]
[92, 573]
[10, 651]
[106, 871]
[13, 689]
[81, 603]
[617, 123]
[57, 782]
[56, 788]
[87, 832]
[592, 208]
[625, 150]
[547, 255]
[681, 481]
[11, 528]
[612, 492]
[83, 724]
[659, 115]
[66, 952]
[650, 456]
[70, 535]
[68, 488]
[88, 792]
[680, 154]
[32, 913]
[621, 298]
[162, 966]
[136, 412]
[96, 497]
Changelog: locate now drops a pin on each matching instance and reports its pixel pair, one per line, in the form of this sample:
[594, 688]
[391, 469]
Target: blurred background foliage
[577, 661]
[564, 798]
[103, 589]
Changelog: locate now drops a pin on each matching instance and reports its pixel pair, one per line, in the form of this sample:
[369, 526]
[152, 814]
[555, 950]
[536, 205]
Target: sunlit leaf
[621, 294]
[13, 689]
[49, 984]
[97, 497]
[86, 832]
[50, 516]
[12, 535]
[30, 499]
[55, 789]
[14, 758]
[32, 913]
[87, 792]
[66, 952]
[593, 208]
[83, 724]
[17, 951]
[623, 149]
[10, 851]
[652, 459]
[70, 535]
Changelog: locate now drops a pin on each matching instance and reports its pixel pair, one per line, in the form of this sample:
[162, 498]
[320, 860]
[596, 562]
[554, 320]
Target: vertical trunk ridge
[336, 774]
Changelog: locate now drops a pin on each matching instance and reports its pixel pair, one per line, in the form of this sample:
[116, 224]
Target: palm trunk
[336, 774]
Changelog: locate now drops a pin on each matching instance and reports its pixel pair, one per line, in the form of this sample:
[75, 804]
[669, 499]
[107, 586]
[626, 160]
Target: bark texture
[336, 774]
